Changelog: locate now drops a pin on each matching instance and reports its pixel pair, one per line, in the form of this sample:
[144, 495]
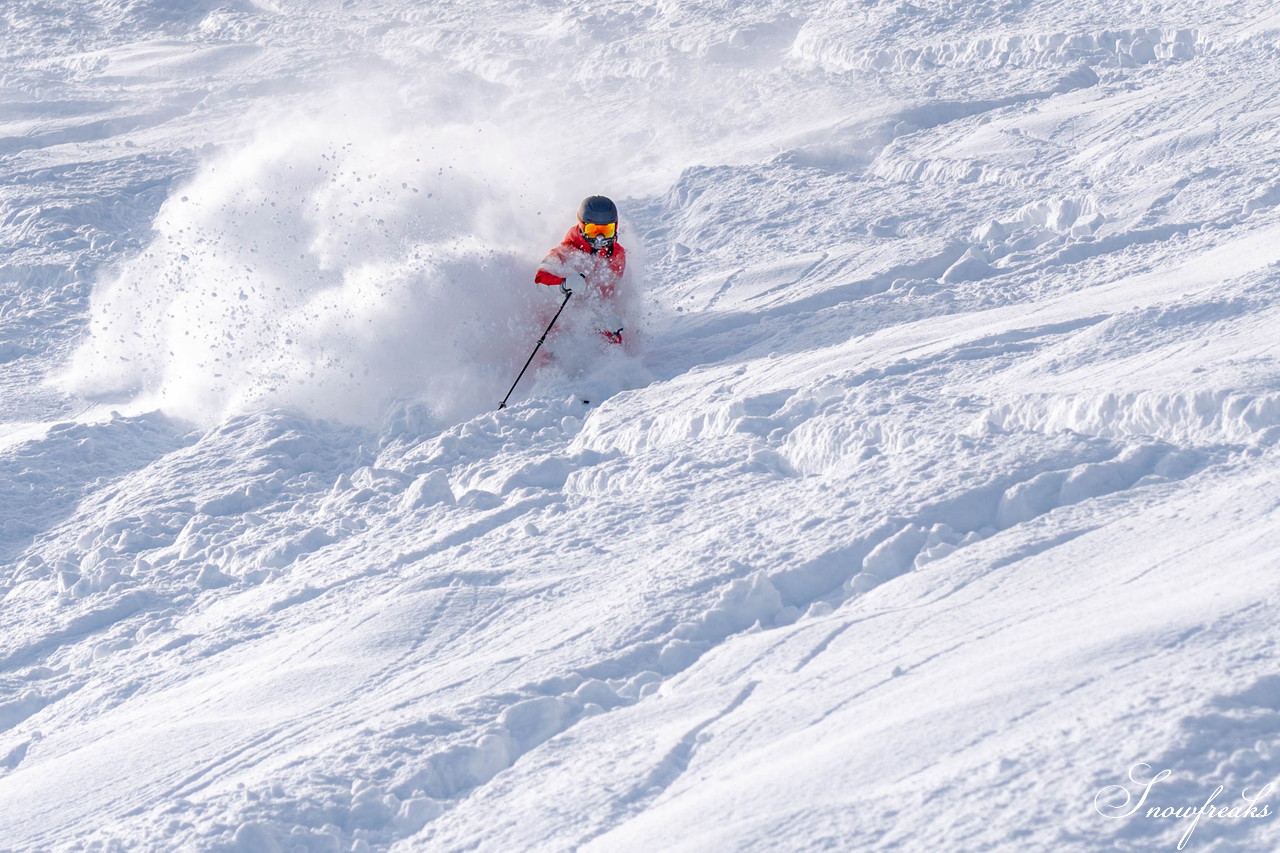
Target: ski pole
[541, 340]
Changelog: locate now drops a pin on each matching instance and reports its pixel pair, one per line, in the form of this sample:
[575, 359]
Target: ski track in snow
[935, 490]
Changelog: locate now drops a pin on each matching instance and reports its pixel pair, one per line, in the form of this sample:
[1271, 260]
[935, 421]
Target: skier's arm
[554, 269]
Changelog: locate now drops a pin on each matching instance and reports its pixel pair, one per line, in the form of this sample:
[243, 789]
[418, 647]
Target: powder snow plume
[340, 259]
[376, 245]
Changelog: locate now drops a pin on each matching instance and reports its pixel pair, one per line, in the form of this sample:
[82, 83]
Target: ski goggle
[592, 230]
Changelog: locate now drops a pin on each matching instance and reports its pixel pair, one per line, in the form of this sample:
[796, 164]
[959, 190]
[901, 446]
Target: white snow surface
[934, 504]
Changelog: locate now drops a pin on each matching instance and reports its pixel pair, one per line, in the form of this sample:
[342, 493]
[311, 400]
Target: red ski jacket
[574, 256]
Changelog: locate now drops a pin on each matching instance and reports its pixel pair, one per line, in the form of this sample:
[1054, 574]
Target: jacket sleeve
[555, 267]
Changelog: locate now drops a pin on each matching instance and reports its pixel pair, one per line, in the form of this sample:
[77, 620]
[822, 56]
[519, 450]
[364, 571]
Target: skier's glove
[564, 285]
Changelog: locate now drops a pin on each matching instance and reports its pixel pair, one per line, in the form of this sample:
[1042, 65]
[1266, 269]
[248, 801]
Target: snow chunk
[747, 601]
[415, 813]
[548, 473]
[285, 553]
[896, 555]
[595, 691]
[371, 806]
[430, 489]
[535, 720]
[211, 577]
[861, 583]
[1025, 501]
[634, 688]
[678, 655]
[971, 267]
[255, 838]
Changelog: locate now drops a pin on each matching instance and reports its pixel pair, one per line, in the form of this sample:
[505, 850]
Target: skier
[591, 258]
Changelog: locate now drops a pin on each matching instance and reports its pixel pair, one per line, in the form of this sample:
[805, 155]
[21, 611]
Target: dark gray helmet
[597, 209]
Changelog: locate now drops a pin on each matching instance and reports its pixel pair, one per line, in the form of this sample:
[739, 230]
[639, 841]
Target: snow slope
[933, 508]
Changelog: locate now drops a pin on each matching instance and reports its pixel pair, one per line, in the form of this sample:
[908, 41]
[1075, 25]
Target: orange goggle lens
[592, 230]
